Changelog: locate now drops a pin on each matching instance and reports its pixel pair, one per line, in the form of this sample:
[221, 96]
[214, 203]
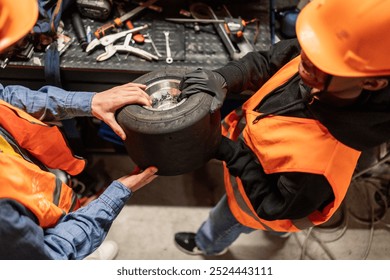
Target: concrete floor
[145, 228]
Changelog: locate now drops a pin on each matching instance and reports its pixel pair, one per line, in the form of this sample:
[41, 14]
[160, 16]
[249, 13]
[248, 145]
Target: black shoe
[185, 242]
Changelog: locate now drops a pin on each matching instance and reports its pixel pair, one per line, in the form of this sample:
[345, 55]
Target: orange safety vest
[286, 144]
[38, 190]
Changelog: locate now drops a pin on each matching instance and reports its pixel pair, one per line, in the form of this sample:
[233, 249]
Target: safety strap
[52, 65]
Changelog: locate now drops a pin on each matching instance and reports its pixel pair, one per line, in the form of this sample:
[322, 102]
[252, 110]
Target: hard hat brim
[321, 43]
[20, 17]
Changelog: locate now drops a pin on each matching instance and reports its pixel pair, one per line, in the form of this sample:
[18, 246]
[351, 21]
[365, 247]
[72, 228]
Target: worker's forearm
[48, 103]
[82, 231]
[255, 68]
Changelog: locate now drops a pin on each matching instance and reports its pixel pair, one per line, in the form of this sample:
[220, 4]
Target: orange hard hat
[347, 38]
[17, 17]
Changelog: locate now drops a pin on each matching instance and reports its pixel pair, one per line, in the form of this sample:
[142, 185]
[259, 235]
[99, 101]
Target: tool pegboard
[192, 45]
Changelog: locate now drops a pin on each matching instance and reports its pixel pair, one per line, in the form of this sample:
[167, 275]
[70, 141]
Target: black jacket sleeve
[255, 68]
[275, 196]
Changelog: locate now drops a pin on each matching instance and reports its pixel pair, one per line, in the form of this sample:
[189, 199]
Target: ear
[374, 83]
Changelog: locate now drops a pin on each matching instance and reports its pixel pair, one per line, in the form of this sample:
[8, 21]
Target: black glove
[204, 81]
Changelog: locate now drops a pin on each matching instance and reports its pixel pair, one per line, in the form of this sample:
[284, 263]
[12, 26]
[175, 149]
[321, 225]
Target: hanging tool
[117, 22]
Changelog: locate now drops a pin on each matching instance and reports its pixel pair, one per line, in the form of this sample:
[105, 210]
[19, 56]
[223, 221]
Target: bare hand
[136, 180]
[104, 104]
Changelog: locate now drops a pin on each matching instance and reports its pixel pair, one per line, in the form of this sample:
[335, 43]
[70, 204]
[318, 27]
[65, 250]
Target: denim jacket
[78, 233]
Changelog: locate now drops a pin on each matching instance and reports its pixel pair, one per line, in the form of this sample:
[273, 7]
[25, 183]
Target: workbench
[81, 71]
[191, 49]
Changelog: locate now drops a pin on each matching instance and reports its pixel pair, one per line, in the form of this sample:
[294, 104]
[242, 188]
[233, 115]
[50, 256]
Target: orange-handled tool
[101, 31]
[138, 37]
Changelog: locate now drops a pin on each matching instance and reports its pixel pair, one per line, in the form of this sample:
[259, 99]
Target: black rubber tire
[177, 140]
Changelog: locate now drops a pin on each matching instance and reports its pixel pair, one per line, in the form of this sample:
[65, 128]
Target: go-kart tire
[176, 140]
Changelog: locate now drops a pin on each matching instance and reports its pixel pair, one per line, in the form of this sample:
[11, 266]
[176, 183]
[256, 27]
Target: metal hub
[164, 94]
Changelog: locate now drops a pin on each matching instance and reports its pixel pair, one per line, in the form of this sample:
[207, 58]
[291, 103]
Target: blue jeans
[220, 230]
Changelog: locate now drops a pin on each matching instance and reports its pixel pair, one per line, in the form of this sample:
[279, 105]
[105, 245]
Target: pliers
[110, 49]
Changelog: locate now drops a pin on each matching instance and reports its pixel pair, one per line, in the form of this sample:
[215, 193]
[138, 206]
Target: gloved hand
[204, 81]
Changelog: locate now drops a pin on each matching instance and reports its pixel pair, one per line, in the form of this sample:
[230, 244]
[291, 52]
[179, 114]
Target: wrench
[169, 58]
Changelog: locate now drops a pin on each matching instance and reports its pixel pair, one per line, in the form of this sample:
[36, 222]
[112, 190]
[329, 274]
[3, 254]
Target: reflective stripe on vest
[45, 143]
[38, 190]
[287, 144]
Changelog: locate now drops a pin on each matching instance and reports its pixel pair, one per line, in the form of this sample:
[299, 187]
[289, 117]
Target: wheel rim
[164, 95]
